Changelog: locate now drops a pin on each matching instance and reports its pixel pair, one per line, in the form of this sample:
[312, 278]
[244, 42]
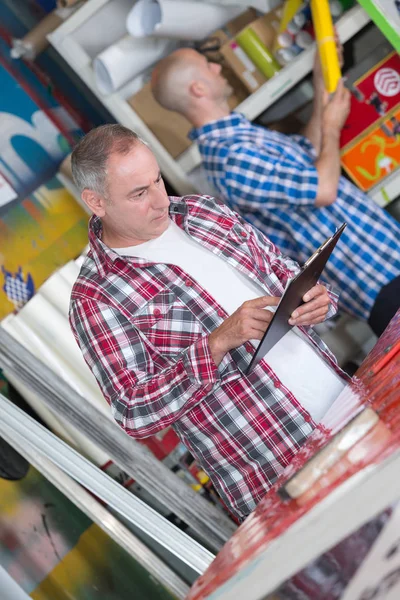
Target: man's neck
[112, 239]
[203, 116]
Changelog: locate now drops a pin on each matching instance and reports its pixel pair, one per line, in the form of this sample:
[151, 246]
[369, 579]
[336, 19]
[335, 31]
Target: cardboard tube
[249, 41]
[325, 37]
[178, 19]
[35, 41]
[126, 59]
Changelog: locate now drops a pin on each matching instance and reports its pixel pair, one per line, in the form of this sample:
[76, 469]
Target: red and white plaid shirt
[143, 330]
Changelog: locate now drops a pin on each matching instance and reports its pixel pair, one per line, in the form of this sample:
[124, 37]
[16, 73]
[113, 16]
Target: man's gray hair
[90, 155]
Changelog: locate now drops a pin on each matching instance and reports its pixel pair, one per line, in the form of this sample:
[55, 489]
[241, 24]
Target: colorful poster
[7, 193]
[370, 140]
[376, 155]
[31, 145]
[38, 235]
[53, 551]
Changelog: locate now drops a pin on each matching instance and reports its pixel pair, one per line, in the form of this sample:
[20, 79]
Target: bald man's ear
[197, 89]
[94, 201]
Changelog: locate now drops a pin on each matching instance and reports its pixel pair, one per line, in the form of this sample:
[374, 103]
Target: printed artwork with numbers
[370, 141]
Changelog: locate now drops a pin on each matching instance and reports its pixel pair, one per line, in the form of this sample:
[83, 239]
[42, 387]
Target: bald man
[290, 187]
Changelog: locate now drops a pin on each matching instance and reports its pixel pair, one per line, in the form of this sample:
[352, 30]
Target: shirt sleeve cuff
[200, 365]
[334, 298]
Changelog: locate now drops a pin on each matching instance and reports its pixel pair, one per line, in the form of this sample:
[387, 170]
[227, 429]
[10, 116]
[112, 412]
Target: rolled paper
[126, 59]
[249, 41]
[366, 450]
[325, 38]
[328, 456]
[178, 19]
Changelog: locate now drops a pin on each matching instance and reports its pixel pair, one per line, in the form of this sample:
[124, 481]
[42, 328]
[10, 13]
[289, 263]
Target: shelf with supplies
[348, 26]
[73, 42]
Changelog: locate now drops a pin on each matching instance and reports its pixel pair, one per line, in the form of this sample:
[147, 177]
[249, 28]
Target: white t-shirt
[295, 362]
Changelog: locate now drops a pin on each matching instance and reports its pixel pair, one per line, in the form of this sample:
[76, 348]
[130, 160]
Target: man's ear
[94, 201]
[197, 89]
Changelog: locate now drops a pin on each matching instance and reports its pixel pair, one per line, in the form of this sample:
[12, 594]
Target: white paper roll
[104, 28]
[57, 291]
[54, 334]
[126, 59]
[25, 336]
[178, 19]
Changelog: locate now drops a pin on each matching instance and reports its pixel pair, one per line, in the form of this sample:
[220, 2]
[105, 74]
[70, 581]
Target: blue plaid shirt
[270, 178]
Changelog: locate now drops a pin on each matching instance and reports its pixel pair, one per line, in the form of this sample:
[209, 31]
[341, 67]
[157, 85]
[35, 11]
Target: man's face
[210, 74]
[137, 206]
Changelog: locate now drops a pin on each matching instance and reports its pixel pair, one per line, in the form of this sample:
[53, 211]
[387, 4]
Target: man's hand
[336, 110]
[315, 308]
[248, 322]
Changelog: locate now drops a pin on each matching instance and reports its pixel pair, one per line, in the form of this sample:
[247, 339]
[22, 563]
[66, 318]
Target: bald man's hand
[249, 322]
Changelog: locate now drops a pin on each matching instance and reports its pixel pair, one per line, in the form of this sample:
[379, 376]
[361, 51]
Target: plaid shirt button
[221, 313]
[277, 384]
[188, 283]
[156, 312]
[243, 234]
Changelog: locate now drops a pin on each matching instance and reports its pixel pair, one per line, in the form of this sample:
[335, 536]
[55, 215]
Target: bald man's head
[184, 78]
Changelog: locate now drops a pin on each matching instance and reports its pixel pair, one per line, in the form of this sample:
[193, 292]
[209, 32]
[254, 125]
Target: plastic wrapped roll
[328, 456]
[249, 41]
[363, 451]
[325, 37]
[178, 19]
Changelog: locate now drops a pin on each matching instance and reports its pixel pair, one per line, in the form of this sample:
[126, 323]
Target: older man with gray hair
[168, 308]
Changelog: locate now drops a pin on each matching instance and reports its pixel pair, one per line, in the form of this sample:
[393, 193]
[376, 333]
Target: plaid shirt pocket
[168, 324]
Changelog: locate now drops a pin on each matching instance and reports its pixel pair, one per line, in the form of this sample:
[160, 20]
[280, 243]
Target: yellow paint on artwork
[10, 497]
[98, 569]
[78, 568]
[40, 234]
[378, 153]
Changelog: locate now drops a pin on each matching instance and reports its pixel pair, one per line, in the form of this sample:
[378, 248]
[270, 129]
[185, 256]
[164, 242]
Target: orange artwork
[376, 155]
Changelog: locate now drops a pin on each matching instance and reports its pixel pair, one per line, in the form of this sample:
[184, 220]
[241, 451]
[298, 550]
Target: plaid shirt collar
[104, 257]
[227, 125]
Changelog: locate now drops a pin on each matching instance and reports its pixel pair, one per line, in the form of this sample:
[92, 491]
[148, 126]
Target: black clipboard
[293, 296]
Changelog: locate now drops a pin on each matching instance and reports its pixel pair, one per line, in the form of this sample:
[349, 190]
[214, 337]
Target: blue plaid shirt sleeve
[253, 175]
[306, 145]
